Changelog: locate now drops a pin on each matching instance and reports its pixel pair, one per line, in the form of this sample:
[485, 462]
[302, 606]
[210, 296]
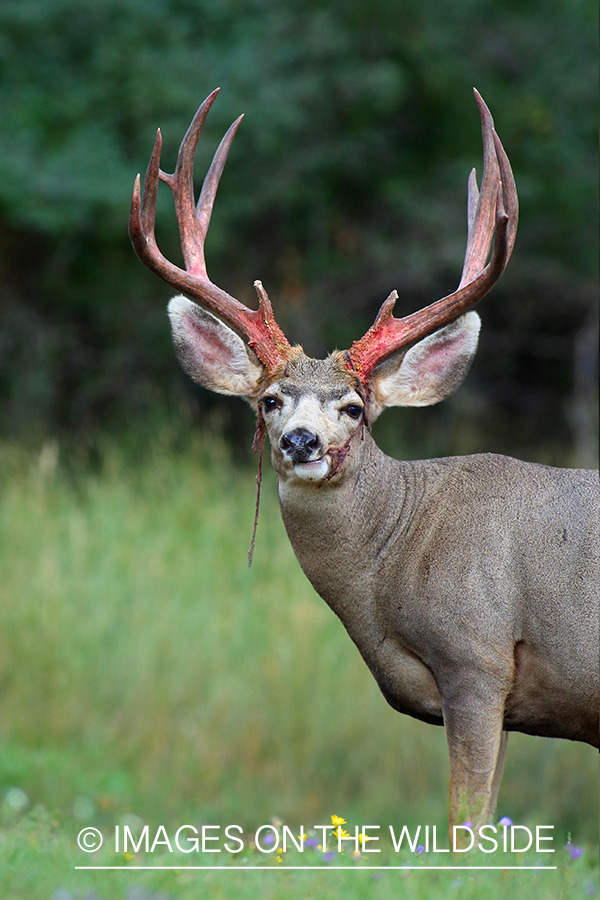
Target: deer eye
[270, 403]
[354, 411]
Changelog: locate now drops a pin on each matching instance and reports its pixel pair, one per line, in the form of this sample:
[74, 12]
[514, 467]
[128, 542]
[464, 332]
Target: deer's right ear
[211, 353]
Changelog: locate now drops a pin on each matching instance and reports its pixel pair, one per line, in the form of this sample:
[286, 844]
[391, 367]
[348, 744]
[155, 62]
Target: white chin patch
[312, 471]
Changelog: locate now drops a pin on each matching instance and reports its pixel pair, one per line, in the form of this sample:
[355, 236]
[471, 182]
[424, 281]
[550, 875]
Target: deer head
[313, 409]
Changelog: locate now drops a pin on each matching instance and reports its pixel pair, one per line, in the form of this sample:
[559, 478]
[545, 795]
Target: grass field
[147, 676]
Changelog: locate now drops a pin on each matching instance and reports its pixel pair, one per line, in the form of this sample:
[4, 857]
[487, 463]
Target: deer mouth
[326, 466]
[314, 470]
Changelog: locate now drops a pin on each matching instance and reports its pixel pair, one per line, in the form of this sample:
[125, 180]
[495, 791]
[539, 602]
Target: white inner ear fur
[211, 353]
[429, 371]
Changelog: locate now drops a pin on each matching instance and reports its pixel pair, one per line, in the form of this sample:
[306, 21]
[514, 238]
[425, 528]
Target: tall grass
[145, 667]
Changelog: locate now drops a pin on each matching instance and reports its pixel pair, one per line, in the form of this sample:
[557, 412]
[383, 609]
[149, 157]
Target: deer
[468, 584]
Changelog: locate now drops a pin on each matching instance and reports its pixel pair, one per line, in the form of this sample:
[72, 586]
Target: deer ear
[431, 370]
[211, 353]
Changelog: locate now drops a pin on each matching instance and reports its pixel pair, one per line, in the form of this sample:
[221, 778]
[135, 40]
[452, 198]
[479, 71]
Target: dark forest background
[347, 179]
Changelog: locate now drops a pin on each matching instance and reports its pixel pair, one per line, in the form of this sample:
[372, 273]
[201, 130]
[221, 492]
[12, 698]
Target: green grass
[145, 670]
[39, 858]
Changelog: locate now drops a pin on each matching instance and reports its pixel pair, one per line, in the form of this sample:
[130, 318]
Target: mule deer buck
[468, 584]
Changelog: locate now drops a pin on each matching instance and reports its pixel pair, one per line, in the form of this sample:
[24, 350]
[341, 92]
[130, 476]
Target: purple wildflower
[311, 842]
[328, 857]
[574, 851]
[420, 849]
[505, 821]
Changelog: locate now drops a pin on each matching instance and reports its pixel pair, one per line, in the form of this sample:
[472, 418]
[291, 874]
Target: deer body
[434, 578]
[464, 583]
[468, 584]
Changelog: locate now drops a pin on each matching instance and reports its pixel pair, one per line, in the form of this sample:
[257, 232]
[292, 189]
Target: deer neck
[337, 530]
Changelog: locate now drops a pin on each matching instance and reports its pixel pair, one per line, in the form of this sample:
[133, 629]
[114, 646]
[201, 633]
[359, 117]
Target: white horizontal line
[306, 868]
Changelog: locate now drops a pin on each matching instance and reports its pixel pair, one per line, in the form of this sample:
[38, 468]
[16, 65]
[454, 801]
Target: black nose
[299, 444]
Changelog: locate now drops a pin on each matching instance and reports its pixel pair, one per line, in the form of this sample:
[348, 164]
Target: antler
[496, 208]
[257, 326]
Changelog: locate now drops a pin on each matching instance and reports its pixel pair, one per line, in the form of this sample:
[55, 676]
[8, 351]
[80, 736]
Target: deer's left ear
[429, 371]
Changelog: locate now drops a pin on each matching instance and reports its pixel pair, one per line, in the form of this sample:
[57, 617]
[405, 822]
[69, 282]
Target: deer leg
[498, 773]
[476, 749]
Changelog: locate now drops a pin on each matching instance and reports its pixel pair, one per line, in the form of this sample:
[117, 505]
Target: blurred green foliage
[149, 677]
[348, 178]
[145, 667]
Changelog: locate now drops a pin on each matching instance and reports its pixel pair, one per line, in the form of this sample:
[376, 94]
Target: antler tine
[481, 205]
[194, 221]
[493, 211]
[142, 215]
[151, 188]
[509, 196]
[258, 327]
[213, 177]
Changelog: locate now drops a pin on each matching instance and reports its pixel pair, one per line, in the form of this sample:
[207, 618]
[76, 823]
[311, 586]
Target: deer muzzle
[300, 445]
[305, 451]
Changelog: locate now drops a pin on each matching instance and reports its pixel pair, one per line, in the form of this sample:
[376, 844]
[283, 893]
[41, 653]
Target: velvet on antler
[493, 211]
[258, 327]
[492, 215]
